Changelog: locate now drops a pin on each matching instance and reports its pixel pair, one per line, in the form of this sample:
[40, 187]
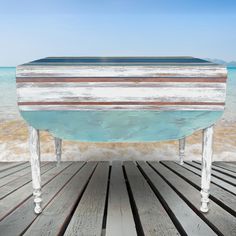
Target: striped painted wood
[50, 82]
[166, 70]
[51, 88]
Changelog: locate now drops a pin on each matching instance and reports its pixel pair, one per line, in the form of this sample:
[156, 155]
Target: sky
[31, 30]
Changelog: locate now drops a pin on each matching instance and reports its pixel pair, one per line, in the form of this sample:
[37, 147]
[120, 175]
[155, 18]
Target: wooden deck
[143, 198]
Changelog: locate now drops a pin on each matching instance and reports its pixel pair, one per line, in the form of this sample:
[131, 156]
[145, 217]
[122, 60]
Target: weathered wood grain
[55, 215]
[23, 216]
[207, 145]
[221, 183]
[14, 169]
[12, 186]
[226, 166]
[226, 199]
[152, 216]
[181, 150]
[58, 143]
[88, 216]
[122, 94]
[109, 81]
[121, 80]
[62, 86]
[60, 186]
[217, 174]
[119, 214]
[162, 94]
[34, 146]
[120, 71]
[12, 201]
[8, 165]
[16, 175]
[220, 169]
[160, 107]
[191, 223]
[220, 218]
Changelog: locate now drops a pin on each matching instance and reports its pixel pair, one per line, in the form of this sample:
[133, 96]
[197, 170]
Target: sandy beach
[14, 146]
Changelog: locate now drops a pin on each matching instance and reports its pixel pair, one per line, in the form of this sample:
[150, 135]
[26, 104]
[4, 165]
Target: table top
[121, 98]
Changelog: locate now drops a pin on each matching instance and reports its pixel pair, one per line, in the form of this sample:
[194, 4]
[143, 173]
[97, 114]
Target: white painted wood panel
[212, 85]
[120, 107]
[120, 71]
[81, 94]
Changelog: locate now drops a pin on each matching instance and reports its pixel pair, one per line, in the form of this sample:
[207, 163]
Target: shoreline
[14, 146]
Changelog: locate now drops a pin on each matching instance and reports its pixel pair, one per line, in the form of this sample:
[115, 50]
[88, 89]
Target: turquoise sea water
[8, 108]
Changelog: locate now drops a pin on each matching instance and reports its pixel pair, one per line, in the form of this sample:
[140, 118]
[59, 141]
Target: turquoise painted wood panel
[121, 126]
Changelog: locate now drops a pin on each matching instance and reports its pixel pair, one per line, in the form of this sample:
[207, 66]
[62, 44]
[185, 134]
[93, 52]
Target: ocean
[14, 134]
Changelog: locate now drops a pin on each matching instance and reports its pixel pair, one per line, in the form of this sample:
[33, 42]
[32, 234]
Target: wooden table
[121, 99]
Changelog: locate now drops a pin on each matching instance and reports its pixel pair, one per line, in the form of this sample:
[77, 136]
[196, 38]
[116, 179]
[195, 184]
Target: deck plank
[24, 215]
[88, 216]
[225, 165]
[16, 175]
[15, 184]
[215, 173]
[149, 199]
[55, 216]
[222, 184]
[217, 216]
[14, 200]
[226, 198]
[8, 165]
[120, 219]
[14, 169]
[191, 223]
[219, 169]
[152, 215]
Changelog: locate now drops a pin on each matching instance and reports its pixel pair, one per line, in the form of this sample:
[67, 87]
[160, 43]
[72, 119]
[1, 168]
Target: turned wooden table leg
[206, 167]
[35, 167]
[181, 150]
[58, 142]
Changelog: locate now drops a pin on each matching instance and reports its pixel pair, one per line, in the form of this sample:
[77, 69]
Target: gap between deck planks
[133, 198]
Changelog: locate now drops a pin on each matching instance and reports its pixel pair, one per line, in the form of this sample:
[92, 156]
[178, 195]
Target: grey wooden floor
[143, 198]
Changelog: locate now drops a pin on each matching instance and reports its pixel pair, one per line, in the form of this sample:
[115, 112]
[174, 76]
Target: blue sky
[34, 29]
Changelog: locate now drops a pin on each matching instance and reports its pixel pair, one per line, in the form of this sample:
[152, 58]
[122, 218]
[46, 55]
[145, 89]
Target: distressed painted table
[121, 99]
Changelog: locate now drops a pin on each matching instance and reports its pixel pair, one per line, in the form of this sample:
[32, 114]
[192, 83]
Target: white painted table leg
[181, 151]
[34, 145]
[58, 142]
[206, 167]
